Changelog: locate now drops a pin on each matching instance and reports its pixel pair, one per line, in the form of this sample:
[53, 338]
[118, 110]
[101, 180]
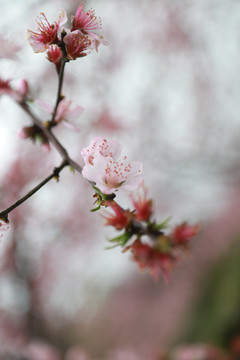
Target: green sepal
[104, 197]
[96, 208]
[71, 168]
[121, 240]
[39, 138]
[162, 225]
[163, 244]
[111, 247]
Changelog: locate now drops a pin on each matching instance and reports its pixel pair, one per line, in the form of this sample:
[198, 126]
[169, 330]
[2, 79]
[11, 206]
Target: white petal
[71, 126]
[74, 113]
[133, 183]
[61, 17]
[45, 105]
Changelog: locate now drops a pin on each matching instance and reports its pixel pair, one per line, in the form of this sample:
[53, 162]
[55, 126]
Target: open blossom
[88, 23]
[46, 33]
[77, 45]
[104, 169]
[79, 40]
[64, 111]
[100, 145]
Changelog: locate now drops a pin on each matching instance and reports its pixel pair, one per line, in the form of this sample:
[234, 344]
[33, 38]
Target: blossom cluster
[68, 43]
[104, 166]
[163, 250]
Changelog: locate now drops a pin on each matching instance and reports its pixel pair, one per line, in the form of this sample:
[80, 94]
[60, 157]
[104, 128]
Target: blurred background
[167, 88]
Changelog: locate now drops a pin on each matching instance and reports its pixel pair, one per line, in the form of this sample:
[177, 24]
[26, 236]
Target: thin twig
[60, 83]
[55, 174]
[51, 137]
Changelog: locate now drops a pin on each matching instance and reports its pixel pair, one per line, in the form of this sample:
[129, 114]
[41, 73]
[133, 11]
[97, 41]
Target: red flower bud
[121, 219]
[143, 207]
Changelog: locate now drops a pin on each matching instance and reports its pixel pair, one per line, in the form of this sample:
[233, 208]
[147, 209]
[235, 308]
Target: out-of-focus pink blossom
[77, 45]
[108, 173]
[88, 23]
[151, 258]
[8, 49]
[5, 88]
[64, 111]
[197, 352]
[77, 353]
[54, 55]
[22, 88]
[183, 233]
[124, 354]
[46, 33]
[107, 122]
[17, 91]
[38, 350]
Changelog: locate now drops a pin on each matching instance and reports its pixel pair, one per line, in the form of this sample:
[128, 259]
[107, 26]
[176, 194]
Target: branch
[51, 137]
[55, 174]
[60, 83]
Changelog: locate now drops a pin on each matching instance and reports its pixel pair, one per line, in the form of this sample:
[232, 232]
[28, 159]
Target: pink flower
[64, 112]
[108, 173]
[199, 351]
[18, 91]
[5, 88]
[54, 55]
[183, 233]
[77, 44]
[120, 219]
[150, 258]
[88, 23]
[22, 88]
[47, 33]
[143, 206]
[102, 146]
[85, 21]
[8, 49]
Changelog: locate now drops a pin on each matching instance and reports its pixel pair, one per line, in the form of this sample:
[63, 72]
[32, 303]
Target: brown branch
[55, 174]
[60, 83]
[51, 137]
